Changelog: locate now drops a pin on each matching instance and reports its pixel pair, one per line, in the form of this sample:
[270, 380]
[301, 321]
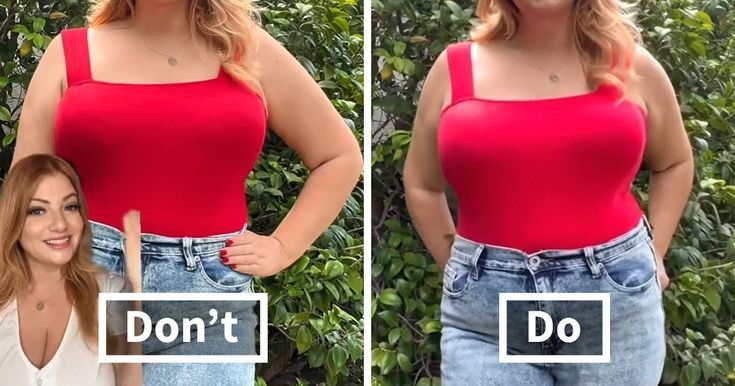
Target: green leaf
[300, 265]
[21, 29]
[691, 374]
[399, 48]
[317, 355]
[304, 339]
[38, 24]
[333, 269]
[389, 362]
[8, 139]
[713, 298]
[4, 114]
[390, 298]
[38, 41]
[290, 177]
[337, 357]
[393, 335]
[404, 362]
[456, 9]
[432, 326]
[390, 318]
[57, 15]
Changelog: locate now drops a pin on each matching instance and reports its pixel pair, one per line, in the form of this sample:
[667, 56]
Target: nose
[59, 222]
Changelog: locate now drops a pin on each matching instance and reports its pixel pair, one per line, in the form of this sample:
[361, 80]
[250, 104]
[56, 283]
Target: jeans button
[534, 262]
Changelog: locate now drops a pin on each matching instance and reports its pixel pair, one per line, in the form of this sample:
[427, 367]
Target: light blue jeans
[624, 267]
[186, 265]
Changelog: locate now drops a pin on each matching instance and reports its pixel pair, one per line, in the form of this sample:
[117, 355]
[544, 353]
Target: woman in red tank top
[539, 126]
[163, 107]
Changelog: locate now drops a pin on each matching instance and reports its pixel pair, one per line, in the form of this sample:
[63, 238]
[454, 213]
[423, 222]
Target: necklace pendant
[39, 306]
[553, 77]
[172, 61]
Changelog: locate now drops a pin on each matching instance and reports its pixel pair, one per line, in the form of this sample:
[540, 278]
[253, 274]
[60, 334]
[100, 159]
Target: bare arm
[299, 113]
[668, 153]
[36, 128]
[305, 119]
[423, 181]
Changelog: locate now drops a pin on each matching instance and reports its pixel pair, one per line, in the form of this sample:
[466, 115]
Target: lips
[59, 243]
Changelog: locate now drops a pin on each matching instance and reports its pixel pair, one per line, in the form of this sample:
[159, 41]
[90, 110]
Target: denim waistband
[113, 238]
[486, 255]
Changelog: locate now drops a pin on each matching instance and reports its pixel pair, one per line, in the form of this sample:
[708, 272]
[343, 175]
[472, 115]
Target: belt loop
[188, 256]
[592, 263]
[649, 228]
[476, 261]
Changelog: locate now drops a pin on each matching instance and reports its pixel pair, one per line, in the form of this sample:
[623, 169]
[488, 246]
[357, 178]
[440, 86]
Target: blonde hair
[17, 191]
[604, 33]
[226, 25]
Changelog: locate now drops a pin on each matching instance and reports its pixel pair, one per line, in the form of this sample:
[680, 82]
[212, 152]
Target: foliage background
[695, 42]
[315, 306]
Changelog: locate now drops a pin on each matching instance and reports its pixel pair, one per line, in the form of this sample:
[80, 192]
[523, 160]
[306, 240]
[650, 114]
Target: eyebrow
[68, 196]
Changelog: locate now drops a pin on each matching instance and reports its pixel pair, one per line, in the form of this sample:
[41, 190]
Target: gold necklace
[40, 303]
[172, 61]
[552, 75]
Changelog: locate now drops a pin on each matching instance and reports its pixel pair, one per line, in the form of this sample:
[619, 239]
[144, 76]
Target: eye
[36, 211]
[72, 207]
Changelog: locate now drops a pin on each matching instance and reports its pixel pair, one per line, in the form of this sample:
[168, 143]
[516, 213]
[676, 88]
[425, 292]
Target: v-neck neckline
[64, 339]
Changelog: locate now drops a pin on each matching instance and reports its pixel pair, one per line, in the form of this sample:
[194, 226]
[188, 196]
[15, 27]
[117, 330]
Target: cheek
[30, 233]
[76, 224]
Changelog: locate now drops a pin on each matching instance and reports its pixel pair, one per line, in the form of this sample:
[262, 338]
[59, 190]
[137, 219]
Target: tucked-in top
[540, 174]
[178, 152]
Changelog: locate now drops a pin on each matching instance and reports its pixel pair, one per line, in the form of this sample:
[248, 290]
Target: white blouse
[73, 364]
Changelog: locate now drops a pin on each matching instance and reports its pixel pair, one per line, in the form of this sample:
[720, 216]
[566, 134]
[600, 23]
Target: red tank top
[178, 152]
[540, 174]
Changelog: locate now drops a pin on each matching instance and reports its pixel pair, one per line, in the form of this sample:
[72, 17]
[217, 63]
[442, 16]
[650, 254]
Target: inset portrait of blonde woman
[539, 125]
[48, 283]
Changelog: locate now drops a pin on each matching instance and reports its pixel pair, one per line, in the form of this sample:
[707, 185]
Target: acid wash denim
[624, 267]
[186, 265]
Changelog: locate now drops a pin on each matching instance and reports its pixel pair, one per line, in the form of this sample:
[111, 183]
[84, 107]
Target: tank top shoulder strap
[76, 55]
[459, 57]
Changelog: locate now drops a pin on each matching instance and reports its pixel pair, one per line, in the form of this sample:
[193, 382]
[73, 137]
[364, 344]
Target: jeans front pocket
[633, 270]
[220, 276]
[457, 274]
[456, 278]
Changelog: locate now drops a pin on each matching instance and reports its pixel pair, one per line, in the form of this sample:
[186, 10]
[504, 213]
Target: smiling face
[53, 224]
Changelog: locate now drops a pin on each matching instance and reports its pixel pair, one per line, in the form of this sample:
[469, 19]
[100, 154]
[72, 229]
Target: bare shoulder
[269, 51]
[436, 88]
[650, 74]
[53, 57]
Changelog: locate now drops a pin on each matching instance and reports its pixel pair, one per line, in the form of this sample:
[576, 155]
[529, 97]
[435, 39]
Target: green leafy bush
[315, 306]
[694, 41]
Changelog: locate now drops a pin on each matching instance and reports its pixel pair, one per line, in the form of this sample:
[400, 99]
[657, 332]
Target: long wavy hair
[604, 34]
[225, 25]
[15, 198]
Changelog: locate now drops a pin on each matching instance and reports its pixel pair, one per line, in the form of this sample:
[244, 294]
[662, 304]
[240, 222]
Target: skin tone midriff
[50, 237]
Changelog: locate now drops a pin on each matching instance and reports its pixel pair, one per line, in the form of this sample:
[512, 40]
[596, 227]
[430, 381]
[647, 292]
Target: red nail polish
[222, 253]
[233, 266]
[228, 243]
[224, 259]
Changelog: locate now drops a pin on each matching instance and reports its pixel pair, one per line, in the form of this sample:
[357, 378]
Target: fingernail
[224, 259]
[228, 243]
[222, 252]
[233, 266]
